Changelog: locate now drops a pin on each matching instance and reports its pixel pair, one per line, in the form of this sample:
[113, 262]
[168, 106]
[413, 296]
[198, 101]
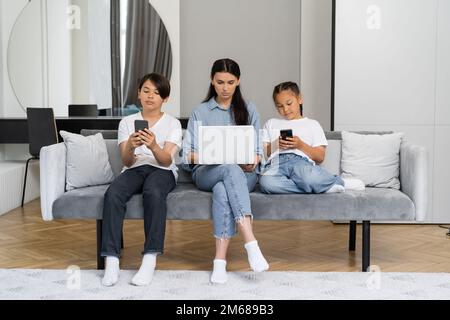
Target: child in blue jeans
[292, 161]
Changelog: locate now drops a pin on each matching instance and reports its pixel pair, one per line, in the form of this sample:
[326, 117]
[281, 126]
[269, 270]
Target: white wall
[392, 73]
[9, 106]
[263, 36]
[1, 76]
[99, 54]
[79, 59]
[57, 56]
[441, 157]
[10, 11]
[1, 68]
[39, 57]
[316, 30]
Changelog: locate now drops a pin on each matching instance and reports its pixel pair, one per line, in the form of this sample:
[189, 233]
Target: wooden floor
[29, 242]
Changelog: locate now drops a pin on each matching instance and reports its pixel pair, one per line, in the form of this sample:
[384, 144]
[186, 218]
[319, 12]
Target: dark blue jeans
[154, 184]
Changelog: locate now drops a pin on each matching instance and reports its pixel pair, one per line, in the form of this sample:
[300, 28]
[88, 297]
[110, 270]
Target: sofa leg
[352, 236]
[100, 259]
[366, 246]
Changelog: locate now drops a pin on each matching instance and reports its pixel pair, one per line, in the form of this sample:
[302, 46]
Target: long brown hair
[239, 107]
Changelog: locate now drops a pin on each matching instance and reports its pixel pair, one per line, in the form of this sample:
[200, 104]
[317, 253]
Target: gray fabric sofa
[187, 202]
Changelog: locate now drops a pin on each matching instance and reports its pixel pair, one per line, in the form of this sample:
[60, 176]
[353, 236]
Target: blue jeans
[230, 186]
[291, 173]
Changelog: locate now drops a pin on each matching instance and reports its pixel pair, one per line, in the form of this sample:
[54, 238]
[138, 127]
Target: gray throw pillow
[87, 161]
[372, 158]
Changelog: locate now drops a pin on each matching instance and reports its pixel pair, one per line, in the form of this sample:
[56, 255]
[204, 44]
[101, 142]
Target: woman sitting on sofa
[149, 169]
[230, 184]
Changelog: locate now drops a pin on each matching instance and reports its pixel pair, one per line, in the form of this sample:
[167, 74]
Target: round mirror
[24, 57]
[85, 52]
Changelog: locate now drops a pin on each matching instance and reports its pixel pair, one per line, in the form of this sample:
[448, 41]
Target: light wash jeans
[231, 200]
[291, 173]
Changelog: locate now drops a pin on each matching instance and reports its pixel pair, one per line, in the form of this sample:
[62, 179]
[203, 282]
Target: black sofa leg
[366, 246]
[100, 259]
[352, 236]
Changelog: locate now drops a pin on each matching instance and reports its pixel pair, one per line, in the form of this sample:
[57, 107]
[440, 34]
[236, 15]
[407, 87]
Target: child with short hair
[149, 168]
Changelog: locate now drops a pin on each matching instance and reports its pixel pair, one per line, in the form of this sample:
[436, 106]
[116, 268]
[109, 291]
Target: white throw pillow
[372, 158]
[87, 161]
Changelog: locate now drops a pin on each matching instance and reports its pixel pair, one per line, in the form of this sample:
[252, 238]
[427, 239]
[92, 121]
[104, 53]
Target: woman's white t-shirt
[167, 129]
[308, 130]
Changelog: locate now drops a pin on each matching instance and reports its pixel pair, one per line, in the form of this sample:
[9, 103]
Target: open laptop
[226, 144]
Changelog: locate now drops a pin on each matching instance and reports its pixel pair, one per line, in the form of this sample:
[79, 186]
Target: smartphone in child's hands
[140, 125]
[287, 133]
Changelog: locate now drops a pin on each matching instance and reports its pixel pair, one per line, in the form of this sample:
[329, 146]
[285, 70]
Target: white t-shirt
[308, 130]
[167, 129]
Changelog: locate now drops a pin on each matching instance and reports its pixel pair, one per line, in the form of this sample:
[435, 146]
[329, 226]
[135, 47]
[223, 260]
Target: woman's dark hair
[239, 107]
[159, 81]
[284, 86]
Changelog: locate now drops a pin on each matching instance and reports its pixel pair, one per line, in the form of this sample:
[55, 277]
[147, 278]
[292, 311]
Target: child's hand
[291, 143]
[134, 140]
[148, 138]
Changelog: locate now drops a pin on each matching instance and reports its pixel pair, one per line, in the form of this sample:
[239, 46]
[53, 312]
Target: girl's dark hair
[240, 112]
[289, 85]
[159, 81]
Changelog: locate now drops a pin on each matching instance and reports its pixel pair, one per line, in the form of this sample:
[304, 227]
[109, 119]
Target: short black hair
[161, 83]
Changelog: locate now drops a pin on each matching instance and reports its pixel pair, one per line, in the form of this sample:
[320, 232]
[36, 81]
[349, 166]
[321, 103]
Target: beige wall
[263, 36]
[316, 60]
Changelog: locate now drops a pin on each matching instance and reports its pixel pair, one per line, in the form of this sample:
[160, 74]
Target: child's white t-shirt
[167, 129]
[308, 130]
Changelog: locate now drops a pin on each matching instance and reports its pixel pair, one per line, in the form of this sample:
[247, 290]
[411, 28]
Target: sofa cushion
[370, 204]
[332, 161]
[184, 176]
[83, 203]
[184, 202]
[372, 158]
[187, 202]
[87, 161]
[114, 156]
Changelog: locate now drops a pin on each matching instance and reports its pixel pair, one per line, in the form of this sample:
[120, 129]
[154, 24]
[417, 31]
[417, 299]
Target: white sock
[219, 274]
[336, 188]
[255, 257]
[354, 184]
[145, 274]
[112, 269]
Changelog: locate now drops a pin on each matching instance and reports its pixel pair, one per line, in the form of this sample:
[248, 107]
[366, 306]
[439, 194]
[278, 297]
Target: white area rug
[194, 285]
